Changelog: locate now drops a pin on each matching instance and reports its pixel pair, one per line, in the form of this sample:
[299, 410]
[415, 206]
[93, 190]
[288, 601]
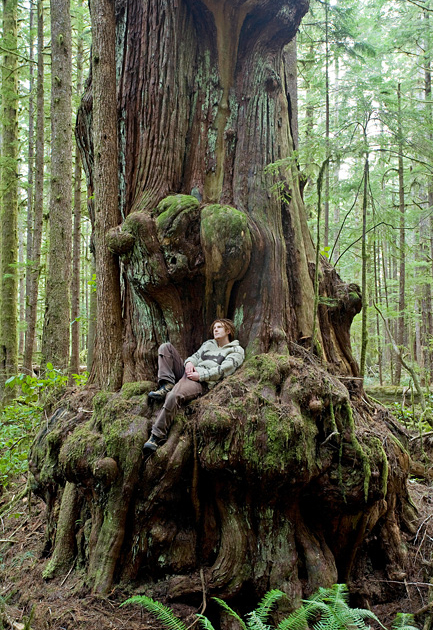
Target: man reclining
[180, 382]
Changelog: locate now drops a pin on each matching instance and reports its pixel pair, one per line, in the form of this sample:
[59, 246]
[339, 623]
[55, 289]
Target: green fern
[256, 623]
[327, 609]
[403, 621]
[205, 623]
[267, 603]
[231, 612]
[163, 613]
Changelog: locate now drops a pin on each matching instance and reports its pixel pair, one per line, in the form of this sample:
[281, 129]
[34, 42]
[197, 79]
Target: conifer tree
[9, 187]
[55, 339]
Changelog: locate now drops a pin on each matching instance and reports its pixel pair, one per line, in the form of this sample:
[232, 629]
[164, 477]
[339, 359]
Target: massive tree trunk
[280, 476]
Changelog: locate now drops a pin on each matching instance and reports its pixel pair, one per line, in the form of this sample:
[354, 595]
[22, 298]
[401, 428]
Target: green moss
[84, 442]
[100, 400]
[171, 206]
[359, 450]
[223, 223]
[139, 388]
[271, 368]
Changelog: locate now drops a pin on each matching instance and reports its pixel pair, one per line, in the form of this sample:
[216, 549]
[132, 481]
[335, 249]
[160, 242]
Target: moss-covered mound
[275, 478]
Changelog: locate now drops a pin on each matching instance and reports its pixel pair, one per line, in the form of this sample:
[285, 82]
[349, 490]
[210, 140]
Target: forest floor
[28, 602]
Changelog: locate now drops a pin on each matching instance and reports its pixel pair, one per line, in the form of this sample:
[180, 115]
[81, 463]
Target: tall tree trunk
[327, 127]
[427, 299]
[377, 297]
[364, 335]
[291, 75]
[31, 165]
[9, 208]
[179, 153]
[107, 366]
[34, 270]
[21, 289]
[76, 247]
[56, 332]
[400, 338]
[385, 272]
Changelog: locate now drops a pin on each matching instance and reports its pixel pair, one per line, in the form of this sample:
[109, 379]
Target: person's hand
[189, 368]
[193, 376]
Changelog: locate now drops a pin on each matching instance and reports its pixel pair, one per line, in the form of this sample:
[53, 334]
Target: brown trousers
[171, 369]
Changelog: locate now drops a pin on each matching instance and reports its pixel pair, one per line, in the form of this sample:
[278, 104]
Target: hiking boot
[161, 392]
[152, 444]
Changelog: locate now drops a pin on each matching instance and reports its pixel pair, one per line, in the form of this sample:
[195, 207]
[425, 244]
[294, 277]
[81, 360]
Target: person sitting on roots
[180, 382]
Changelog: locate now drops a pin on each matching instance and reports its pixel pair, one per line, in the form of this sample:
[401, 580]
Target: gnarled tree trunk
[281, 474]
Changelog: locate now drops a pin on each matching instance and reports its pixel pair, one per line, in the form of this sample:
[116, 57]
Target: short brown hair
[228, 325]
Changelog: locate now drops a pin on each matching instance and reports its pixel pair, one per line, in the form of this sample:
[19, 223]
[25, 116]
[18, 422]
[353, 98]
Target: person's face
[220, 331]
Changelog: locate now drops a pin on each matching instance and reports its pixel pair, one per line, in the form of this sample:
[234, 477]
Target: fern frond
[161, 612]
[403, 621]
[256, 623]
[231, 612]
[205, 623]
[267, 603]
[297, 620]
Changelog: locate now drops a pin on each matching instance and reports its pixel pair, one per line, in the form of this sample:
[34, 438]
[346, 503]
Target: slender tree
[9, 186]
[108, 365]
[34, 270]
[31, 168]
[400, 337]
[76, 246]
[56, 332]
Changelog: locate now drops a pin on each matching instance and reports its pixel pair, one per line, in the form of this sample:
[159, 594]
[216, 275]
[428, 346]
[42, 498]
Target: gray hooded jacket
[213, 363]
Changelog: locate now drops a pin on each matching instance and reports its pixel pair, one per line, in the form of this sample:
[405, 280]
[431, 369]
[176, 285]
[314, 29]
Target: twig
[7, 540]
[426, 520]
[330, 436]
[423, 610]
[417, 437]
[403, 582]
[204, 603]
[68, 573]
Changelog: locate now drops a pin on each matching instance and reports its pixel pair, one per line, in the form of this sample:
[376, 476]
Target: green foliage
[18, 424]
[161, 612]
[327, 609]
[403, 621]
[20, 420]
[32, 387]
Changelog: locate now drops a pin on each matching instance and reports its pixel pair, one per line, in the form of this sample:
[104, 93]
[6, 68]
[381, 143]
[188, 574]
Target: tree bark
[9, 208]
[31, 168]
[56, 332]
[34, 270]
[107, 366]
[400, 338]
[74, 366]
